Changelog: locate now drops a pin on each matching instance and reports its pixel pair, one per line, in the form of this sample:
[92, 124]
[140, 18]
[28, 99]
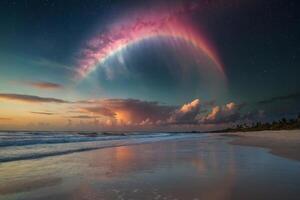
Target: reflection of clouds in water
[206, 168]
[86, 189]
[171, 160]
[124, 154]
[221, 187]
[28, 185]
[173, 169]
[200, 166]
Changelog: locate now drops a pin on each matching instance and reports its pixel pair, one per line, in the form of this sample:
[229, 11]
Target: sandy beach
[199, 167]
[281, 143]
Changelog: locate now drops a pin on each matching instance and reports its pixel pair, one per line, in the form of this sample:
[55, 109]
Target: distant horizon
[233, 128]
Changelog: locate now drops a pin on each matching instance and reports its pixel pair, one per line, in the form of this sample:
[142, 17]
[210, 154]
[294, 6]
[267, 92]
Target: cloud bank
[129, 111]
[133, 112]
[138, 114]
[30, 98]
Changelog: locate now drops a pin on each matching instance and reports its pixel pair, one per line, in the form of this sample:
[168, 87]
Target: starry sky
[147, 65]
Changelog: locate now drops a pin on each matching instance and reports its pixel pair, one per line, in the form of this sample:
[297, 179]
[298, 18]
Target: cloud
[193, 114]
[101, 111]
[294, 96]
[135, 112]
[44, 85]
[139, 113]
[223, 114]
[30, 98]
[5, 118]
[83, 117]
[43, 113]
[186, 114]
[194, 105]
[130, 111]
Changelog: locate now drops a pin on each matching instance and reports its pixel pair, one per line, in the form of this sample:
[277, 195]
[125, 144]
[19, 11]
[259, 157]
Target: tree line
[282, 124]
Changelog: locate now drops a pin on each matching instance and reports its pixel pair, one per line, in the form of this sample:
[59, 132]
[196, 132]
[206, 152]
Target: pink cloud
[44, 85]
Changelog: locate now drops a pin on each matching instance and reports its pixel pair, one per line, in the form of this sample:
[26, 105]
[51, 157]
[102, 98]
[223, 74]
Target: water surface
[189, 167]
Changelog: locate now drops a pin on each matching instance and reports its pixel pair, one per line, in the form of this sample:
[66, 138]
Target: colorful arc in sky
[121, 35]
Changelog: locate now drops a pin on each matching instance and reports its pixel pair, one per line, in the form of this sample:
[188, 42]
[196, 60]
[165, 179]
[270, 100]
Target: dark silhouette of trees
[282, 124]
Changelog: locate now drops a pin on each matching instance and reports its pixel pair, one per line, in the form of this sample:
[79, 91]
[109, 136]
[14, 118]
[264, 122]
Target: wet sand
[281, 143]
[199, 168]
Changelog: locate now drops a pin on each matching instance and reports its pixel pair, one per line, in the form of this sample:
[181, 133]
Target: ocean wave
[35, 138]
[24, 147]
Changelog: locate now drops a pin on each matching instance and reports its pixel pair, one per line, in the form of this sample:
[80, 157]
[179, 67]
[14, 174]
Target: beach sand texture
[281, 143]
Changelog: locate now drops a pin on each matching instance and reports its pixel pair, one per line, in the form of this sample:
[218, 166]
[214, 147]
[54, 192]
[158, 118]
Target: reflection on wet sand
[223, 187]
[204, 168]
[28, 185]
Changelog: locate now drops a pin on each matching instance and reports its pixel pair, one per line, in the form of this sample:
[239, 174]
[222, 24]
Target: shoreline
[281, 143]
[198, 168]
[58, 147]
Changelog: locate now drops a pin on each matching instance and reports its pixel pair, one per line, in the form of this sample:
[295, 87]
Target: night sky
[147, 65]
